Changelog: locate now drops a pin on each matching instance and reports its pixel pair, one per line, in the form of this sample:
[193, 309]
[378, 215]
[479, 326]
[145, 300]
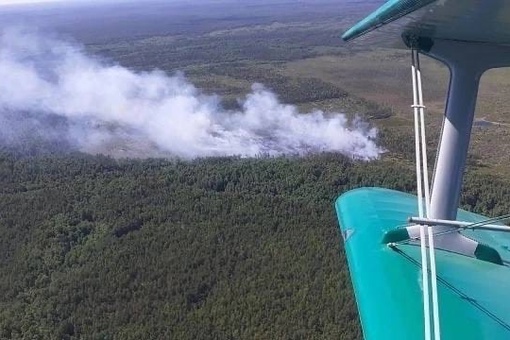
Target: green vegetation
[219, 248]
[300, 57]
[215, 248]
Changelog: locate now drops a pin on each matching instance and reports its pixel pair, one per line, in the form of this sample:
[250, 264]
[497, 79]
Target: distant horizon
[37, 2]
[24, 2]
[30, 2]
[41, 2]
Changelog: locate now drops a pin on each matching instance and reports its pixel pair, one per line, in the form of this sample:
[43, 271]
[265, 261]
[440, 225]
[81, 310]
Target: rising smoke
[52, 90]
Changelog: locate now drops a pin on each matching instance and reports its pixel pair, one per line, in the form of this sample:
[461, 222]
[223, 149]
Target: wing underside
[478, 21]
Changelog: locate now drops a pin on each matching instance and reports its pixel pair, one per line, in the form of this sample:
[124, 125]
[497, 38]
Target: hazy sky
[22, 2]
[14, 2]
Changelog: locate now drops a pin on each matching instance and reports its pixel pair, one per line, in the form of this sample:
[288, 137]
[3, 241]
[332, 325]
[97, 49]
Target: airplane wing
[484, 21]
[474, 295]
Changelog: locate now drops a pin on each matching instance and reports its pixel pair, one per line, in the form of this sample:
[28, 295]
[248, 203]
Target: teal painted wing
[390, 11]
[485, 21]
[474, 296]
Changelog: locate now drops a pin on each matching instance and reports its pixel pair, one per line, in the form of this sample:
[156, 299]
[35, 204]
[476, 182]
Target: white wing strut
[424, 187]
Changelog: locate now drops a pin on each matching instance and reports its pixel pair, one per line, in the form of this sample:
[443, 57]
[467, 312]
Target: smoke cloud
[51, 90]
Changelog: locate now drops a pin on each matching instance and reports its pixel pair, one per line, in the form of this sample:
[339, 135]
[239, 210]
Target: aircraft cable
[424, 261]
[421, 108]
[457, 291]
[433, 280]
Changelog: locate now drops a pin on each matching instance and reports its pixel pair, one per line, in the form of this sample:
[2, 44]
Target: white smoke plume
[53, 89]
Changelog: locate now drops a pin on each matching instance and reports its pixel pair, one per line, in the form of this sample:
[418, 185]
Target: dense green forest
[222, 248]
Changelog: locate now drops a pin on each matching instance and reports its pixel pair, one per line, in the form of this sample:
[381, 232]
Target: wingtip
[348, 35]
